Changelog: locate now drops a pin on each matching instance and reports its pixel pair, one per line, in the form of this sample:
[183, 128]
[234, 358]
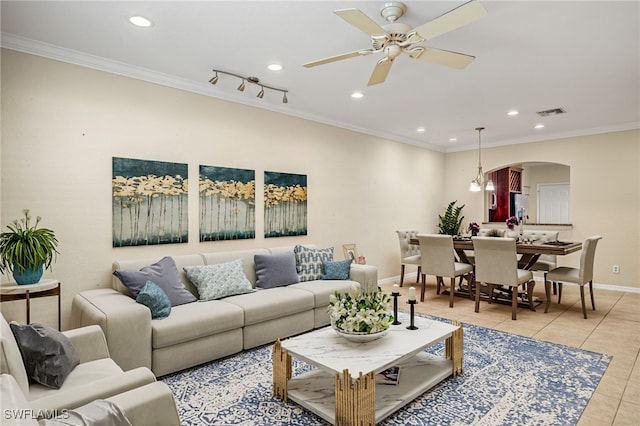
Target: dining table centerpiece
[360, 316]
[473, 228]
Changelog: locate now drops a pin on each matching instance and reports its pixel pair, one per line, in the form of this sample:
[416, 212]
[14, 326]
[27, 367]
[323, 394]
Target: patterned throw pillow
[154, 298]
[336, 270]
[218, 281]
[309, 261]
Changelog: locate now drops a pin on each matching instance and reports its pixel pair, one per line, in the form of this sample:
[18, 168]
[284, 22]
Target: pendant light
[478, 182]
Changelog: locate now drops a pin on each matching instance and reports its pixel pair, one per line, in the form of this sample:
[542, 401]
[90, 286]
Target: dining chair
[409, 253]
[438, 259]
[545, 262]
[497, 265]
[580, 276]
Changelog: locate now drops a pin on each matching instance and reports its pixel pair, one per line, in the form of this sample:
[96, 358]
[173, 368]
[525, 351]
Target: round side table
[44, 288]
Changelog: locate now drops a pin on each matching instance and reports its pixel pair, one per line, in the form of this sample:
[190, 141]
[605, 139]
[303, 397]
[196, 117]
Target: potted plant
[451, 221]
[27, 250]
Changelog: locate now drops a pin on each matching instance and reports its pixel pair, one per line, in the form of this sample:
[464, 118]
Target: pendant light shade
[478, 182]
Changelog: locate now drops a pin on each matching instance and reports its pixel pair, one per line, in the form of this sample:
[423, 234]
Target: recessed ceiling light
[421, 130]
[140, 21]
[274, 67]
[453, 139]
[512, 113]
[357, 95]
[539, 126]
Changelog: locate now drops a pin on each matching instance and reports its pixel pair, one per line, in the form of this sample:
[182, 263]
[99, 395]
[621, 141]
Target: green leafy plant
[451, 221]
[27, 246]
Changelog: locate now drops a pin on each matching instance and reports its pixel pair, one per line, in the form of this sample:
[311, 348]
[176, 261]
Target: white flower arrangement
[360, 312]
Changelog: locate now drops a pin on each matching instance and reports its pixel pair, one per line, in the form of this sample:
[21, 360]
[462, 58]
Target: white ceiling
[583, 56]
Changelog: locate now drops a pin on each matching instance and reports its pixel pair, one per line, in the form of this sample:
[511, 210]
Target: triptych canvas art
[150, 203]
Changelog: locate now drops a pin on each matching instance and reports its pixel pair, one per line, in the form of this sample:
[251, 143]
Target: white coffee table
[330, 391]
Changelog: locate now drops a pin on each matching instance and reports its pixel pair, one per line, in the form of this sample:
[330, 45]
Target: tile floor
[613, 328]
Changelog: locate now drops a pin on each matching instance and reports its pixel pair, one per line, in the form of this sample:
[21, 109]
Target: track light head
[214, 80]
[284, 98]
[241, 87]
[261, 93]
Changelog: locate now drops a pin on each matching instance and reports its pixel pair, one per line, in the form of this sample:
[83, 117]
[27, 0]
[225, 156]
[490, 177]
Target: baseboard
[411, 279]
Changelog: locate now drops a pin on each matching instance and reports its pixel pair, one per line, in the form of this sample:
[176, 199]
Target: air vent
[554, 111]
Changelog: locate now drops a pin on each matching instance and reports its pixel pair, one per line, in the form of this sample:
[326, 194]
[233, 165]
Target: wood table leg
[28, 303]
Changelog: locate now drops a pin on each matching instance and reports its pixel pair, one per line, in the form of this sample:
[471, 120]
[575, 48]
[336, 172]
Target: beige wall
[62, 124]
[605, 194]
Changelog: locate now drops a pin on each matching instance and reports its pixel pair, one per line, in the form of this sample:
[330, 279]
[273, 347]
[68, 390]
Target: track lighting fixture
[254, 80]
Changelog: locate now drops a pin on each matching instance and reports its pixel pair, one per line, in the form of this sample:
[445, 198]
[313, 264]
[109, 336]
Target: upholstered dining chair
[497, 264]
[438, 259]
[546, 262]
[580, 276]
[409, 253]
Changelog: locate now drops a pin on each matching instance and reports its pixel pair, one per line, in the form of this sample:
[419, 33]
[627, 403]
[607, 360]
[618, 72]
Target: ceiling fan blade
[445, 57]
[380, 72]
[361, 21]
[451, 20]
[333, 59]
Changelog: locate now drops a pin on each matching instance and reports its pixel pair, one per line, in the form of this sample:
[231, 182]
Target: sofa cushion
[275, 270]
[309, 261]
[154, 298]
[164, 273]
[336, 270]
[196, 320]
[321, 290]
[218, 281]
[271, 303]
[47, 354]
[14, 401]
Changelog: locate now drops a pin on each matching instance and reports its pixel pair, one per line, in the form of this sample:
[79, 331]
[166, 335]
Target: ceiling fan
[394, 38]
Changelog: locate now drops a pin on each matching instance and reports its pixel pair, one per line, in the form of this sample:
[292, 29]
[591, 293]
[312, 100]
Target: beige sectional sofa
[202, 331]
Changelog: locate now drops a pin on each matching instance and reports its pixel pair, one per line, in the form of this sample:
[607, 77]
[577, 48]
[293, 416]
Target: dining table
[530, 252]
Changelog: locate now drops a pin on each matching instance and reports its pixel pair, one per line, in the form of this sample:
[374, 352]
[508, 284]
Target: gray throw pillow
[164, 274]
[275, 270]
[48, 355]
[154, 298]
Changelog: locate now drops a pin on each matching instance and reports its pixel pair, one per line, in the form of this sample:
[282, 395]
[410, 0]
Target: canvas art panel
[285, 204]
[149, 202]
[227, 203]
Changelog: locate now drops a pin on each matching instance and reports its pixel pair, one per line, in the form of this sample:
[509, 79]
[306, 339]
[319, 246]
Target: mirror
[538, 190]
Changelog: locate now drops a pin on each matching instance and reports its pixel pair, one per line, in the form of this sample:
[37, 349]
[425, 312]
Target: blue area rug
[507, 380]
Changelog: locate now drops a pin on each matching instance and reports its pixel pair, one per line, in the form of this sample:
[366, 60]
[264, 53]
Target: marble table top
[332, 353]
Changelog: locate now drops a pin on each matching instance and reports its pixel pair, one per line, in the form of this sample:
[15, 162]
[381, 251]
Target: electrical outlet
[616, 269]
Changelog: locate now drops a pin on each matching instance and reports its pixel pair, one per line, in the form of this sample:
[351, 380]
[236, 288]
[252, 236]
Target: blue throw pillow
[336, 270]
[154, 298]
[275, 270]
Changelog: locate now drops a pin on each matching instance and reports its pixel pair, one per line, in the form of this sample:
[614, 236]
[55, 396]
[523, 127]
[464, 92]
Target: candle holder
[412, 303]
[395, 295]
